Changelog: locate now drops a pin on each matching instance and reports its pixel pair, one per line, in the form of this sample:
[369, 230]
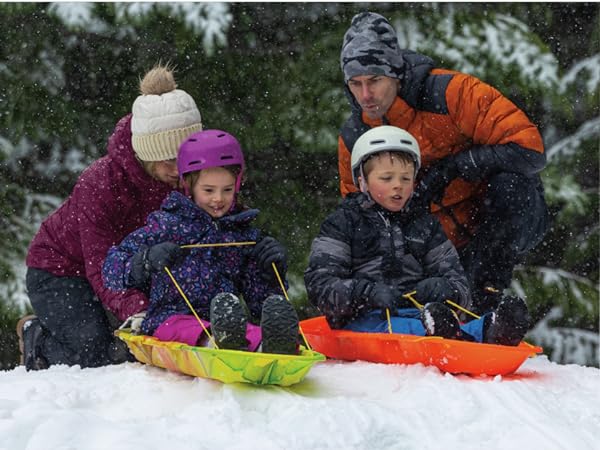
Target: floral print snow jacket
[205, 272]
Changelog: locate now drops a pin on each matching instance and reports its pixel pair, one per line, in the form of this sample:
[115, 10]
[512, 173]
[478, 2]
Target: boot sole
[228, 322]
[19, 328]
[279, 324]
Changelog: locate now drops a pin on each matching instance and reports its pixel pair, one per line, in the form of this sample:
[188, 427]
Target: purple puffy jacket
[112, 198]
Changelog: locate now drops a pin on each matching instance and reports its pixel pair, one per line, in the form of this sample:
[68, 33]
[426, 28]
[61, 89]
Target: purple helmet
[210, 148]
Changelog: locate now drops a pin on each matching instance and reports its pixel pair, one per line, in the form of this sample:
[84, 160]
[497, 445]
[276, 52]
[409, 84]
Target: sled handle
[288, 299]
[191, 307]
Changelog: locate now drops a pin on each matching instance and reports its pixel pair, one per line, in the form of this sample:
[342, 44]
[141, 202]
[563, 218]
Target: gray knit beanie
[370, 47]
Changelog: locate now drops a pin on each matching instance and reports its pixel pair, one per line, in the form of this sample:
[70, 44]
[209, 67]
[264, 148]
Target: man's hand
[435, 180]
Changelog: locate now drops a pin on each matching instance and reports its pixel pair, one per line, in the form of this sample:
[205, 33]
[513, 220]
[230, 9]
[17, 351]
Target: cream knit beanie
[163, 117]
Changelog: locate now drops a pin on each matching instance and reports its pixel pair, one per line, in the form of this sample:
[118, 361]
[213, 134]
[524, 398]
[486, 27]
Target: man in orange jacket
[481, 155]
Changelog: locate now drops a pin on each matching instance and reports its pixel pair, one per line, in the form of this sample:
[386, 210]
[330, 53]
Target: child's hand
[383, 297]
[267, 251]
[435, 289]
[165, 254]
[153, 259]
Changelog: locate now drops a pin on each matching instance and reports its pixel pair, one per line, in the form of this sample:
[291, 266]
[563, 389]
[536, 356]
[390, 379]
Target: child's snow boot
[279, 324]
[508, 324]
[228, 319]
[440, 320]
[30, 332]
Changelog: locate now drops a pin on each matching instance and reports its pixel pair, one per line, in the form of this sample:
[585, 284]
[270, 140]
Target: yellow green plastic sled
[227, 366]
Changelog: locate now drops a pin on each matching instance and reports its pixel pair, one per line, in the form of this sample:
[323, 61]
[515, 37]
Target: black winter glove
[435, 180]
[152, 260]
[269, 251]
[436, 289]
[467, 167]
[381, 296]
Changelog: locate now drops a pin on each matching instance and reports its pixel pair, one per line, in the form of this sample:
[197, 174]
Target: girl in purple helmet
[227, 285]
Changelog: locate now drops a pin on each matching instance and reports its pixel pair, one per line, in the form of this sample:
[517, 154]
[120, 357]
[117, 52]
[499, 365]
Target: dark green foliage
[9, 345]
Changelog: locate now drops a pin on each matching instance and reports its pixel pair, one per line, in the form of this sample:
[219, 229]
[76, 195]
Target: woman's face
[214, 191]
[166, 171]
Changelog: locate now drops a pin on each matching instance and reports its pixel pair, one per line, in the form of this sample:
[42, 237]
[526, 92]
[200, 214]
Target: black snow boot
[279, 324]
[440, 320]
[228, 319]
[30, 333]
[509, 323]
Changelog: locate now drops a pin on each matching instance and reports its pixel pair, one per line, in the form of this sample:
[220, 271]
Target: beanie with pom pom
[162, 117]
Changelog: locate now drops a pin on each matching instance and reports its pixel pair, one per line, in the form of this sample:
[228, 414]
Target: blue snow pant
[407, 322]
[77, 329]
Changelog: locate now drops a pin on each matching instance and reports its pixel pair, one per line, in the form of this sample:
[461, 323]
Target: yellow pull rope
[288, 299]
[409, 295]
[222, 244]
[387, 313]
[191, 307]
[465, 310]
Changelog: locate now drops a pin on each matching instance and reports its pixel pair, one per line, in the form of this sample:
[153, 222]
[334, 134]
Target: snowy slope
[340, 405]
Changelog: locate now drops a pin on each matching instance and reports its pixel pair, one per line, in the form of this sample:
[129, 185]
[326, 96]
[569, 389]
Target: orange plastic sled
[446, 354]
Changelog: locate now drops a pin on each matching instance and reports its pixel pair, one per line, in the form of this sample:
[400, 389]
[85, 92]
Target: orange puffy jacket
[448, 113]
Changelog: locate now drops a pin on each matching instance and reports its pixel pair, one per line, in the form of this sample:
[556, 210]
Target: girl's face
[166, 171]
[214, 191]
[390, 182]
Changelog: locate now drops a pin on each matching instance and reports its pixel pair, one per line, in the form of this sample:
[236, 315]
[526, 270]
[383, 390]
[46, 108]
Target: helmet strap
[362, 180]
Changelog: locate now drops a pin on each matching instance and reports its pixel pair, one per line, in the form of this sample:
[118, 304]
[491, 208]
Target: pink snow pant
[185, 328]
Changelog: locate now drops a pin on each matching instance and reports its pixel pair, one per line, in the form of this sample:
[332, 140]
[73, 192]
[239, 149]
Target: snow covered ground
[340, 405]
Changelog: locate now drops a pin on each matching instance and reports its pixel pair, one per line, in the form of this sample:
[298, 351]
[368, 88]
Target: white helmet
[380, 139]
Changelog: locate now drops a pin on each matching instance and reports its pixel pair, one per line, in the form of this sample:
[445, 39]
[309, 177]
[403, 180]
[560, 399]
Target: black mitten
[267, 251]
[152, 260]
[435, 289]
[383, 297]
[165, 254]
[433, 184]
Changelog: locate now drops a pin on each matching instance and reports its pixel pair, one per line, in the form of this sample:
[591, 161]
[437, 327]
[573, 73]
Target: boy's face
[390, 181]
[214, 191]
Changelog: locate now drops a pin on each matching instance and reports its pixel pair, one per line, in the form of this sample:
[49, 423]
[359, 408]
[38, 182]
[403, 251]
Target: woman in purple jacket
[111, 198]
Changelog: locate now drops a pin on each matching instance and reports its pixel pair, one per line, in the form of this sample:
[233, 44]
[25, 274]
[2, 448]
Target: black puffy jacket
[360, 242]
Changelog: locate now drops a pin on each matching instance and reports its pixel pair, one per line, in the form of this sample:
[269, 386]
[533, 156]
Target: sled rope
[223, 244]
[387, 313]
[409, 296]
[191, 307]
[465, 310]
[288, 299]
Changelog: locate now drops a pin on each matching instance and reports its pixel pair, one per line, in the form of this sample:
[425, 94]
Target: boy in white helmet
[374, 248]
